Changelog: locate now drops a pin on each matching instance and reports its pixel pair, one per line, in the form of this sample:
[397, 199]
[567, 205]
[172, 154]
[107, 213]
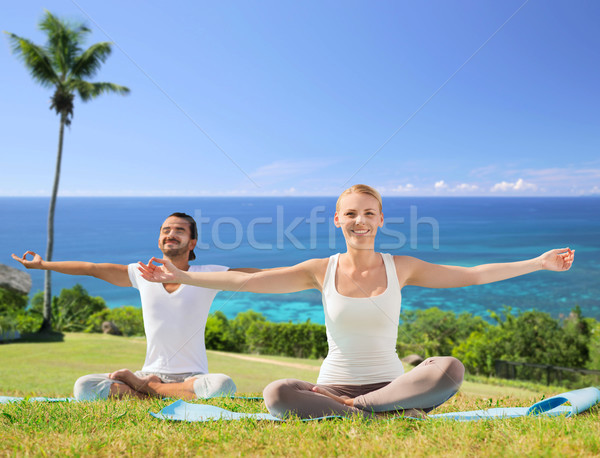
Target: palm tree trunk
[47, 322]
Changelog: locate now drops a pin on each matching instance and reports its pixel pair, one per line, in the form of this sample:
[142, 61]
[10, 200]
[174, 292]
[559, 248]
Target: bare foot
[342, 400]
[141, 384]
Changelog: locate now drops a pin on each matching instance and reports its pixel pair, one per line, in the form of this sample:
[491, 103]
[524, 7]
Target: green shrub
[7, 324]
[12, 302]
[28, 322]
[24, 322]
[529, 337]
[301, 340]
[594, 344]
[434, 332]
[217, 334]
[127, 318]
[249, 332]
[479, 352]
[14, 315]
[239, 328]
[71, 309]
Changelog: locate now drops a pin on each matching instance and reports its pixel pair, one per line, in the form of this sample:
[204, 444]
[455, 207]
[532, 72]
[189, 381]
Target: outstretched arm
[281, 280]
[112, 273]
[421, 273]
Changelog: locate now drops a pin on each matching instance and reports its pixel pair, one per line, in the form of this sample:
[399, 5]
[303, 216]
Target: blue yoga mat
[185, 411]
[579, 400]
[8, 399]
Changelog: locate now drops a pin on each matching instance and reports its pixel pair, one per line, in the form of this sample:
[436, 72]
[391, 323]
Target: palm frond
[88, 91]
[89, 62]
[64, 41]
[36, 59]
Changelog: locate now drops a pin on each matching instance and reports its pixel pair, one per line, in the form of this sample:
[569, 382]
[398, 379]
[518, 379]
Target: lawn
[126, 428]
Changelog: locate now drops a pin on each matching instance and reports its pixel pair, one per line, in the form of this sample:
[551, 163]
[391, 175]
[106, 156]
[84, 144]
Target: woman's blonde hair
[361, 189]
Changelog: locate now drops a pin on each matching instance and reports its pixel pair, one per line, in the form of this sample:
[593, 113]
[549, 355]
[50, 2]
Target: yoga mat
[184, 411]
[580, 401]
[8, 399]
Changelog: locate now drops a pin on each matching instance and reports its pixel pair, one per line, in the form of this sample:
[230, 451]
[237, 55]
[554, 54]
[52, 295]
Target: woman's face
[359, 217]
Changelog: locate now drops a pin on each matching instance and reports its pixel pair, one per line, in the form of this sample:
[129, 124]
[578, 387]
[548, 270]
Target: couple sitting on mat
[361, 290]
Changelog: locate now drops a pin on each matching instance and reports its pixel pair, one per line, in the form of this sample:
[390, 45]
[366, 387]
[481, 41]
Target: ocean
[270, 232]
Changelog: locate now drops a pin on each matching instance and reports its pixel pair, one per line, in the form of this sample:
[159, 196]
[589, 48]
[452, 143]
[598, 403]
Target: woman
[361, 290]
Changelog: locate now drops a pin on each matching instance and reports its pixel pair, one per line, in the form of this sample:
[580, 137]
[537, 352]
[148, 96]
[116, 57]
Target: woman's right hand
[166, 272]
[35, 263]
[345, 401]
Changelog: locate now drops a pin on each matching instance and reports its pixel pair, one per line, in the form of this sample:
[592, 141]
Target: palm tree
[63, 65]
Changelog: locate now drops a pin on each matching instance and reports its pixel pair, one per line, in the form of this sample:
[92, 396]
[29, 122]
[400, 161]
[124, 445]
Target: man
[174, 321]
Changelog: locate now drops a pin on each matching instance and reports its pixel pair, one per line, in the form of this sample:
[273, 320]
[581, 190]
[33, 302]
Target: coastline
[472, 230]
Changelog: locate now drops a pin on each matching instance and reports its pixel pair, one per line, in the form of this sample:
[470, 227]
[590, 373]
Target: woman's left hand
[558, 260]
[164, 272]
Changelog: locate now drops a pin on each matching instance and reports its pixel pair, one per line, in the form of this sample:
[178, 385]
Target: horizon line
[291, 195]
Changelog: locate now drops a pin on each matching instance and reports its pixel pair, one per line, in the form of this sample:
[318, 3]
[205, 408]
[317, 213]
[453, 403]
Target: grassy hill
[124, 427]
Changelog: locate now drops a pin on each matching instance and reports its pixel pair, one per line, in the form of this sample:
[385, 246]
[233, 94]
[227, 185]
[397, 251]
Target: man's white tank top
[361, 332]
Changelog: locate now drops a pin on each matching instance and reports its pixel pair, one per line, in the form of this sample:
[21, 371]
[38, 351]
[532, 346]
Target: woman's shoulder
[317, 267]
[316, 263]
[403, 260]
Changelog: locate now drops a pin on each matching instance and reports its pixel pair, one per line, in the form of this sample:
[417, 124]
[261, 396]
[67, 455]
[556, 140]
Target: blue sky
[306, 98]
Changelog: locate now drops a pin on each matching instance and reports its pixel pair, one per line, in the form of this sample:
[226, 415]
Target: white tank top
[361, 332]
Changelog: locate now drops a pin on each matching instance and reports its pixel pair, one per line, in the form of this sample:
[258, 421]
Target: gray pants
[97, 386]
[425, 387]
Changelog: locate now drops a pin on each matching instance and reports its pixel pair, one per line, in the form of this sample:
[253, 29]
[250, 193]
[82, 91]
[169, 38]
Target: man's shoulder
[207, 268]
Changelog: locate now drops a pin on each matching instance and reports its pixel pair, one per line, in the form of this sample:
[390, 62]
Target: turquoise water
[269, 232]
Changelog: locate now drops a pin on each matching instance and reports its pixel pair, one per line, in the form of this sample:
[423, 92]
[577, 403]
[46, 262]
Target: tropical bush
[70, 310]
[218, 334]
[299, 340]
[249, 332]
[11, 302]
[127, 318]
[12, 305]
[529, 337]
[435, 332]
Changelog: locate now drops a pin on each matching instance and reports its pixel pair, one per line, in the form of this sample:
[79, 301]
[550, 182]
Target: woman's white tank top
[361, 332]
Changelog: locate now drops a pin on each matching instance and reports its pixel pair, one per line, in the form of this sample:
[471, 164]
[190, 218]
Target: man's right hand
[35, 263]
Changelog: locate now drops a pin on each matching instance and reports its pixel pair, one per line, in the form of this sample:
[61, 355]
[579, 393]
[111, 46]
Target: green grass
[125, 428]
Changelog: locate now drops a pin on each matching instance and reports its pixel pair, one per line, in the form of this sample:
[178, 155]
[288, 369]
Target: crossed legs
[425, 387]
[123, 383]
[151, 385]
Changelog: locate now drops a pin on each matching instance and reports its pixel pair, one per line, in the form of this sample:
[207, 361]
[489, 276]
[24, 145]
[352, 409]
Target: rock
[108, 327]
[413, 360]
[14, 279]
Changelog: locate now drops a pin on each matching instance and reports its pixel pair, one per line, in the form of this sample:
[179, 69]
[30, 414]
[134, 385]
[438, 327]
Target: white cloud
[519, 185]
[406, 188]
[442, 186]
[466, 187]
[595, 190]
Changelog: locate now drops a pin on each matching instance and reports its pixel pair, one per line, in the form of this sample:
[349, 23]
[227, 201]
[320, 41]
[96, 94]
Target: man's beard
[175, 252]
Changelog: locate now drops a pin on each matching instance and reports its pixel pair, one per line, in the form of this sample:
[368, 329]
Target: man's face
[175, 237]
